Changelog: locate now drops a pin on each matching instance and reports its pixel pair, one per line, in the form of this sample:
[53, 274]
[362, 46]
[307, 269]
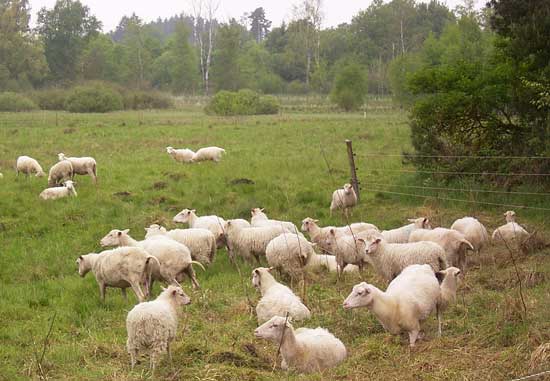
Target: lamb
[389, 259]
[174, 258]
[252, 242]
[28, 165]
[344, 199]
[81, 165]
[305, 350]
[201, 242]
[289, 253]
[401, 235]
[449, 280]
[409, 299]
[181, 155]
[152, 326]
[328, 262]
[511, 231]
[473, 231]
[208, 153]
[212, 223]
[319, 235]
[54, 193]
[453, 242]
[277, 299]
[60, 172]
[122, 267]
[260, 219]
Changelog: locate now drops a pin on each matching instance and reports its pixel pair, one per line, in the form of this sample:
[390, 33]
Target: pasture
[276, 162]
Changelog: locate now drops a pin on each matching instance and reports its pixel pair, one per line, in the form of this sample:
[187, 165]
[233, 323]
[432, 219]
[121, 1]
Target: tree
[99, 60]
[259, 25]
[350, 86]
[225, 69]
[308, 15]
[204, 12]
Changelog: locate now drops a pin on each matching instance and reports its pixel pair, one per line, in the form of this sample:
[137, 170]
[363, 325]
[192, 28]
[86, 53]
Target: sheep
[449, 280]
[152, 326]
[249, 243]
[181, 155]
[409, 299]
[389, 259]
[28, 165]
[344, 198]
[473, 231]
[511, 231]
[60, 172]
[201, 242]
[54, 193]
[1, 175]
[289, 253]
[306, 350]
[260, 219]
[401, 235]
[212, 223]
[81, 165]
[452, 241]
[208, 153]
[174, 258]
[277, 299]
[328, 262]
[122, 267]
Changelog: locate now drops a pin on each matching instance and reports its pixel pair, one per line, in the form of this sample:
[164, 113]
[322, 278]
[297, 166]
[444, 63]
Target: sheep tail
[199, 264]
[149, 271]
[94, 169]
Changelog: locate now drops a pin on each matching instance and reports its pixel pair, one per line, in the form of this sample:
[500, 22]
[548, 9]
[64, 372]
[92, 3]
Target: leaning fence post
[353, 170]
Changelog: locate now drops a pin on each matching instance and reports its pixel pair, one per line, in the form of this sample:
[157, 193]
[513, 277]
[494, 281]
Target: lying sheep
[201, 242]
[473, 231]
[348, 249]
[328, 262]
[449, 280]
[453, 242]
[319, 235]
[409, 299]
[389, 259]
[152, 326]
[277, 299]
[250, 243]
[289, 253]
[174, 258]
[511, 231]
[209, 153]
[54, 193]
[344, 199]
[81, 165]
[260, 219]
[212, 223]
[28, 165]
[122, 267]
[401, 235]
[59, 172]
[184, 155]
[304, 350]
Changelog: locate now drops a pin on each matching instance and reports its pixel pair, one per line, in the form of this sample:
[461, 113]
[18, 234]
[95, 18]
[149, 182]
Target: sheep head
[183, 216]
[510, 216]
[421, 223]
[273, 329]
[84, 264]
[257, 275]
[360, 296]
[175, 295]
[114, 238]
[308, 223]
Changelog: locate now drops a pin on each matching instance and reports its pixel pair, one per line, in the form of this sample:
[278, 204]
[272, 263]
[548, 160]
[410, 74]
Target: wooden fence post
[353, 169]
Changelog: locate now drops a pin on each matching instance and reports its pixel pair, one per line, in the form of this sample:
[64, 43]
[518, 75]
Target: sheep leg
[133, 357]
[139, 293]
[439, 320]
[191, 273]
[102, 289]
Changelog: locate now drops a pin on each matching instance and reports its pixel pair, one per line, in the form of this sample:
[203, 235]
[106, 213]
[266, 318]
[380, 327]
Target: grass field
[486, 334]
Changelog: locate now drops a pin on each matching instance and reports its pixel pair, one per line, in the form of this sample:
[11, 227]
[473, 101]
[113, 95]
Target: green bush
[143, 100]
[243, 102]
[94, 98]
[268, 105]
[50, 99]
[16, 102]
[297, 87]
[350, 87]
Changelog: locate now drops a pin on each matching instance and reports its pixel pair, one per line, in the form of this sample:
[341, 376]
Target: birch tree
[309, 16]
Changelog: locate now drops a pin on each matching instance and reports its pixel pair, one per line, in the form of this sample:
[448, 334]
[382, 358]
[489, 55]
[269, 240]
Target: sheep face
[70, 186]
[372, 245]
[455, 272]
[183, 216]
[114, 237]
[421, 223]
[257, 276]
[84, 266]
[510, 216]
[169, 150]
[360, 296]
[40, 174]
[308, 223]
[61, 156]
[347, 188]
[272, 329]
[154, 229]
[256, 212]
[177, 295]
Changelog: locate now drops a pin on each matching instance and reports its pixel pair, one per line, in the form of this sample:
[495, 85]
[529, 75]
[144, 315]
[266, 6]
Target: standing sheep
[28, 165]
[152, 326]
[473, 231]
[213, 223]
[511, 231]
[449, 280]
[81, 165]
[60, 172]
[181, 155]
[252, 242]
[209, 153]
[344, 199]
[401, 235]
[289, 253]
[54, 193]
[260, 219]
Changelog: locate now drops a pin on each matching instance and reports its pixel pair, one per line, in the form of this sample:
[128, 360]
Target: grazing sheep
[408, 301]
[201, 242]
[252, 242]
[289, 253]
[122, 267]
[28, 165]
[277, 299]
[81, 165]
[453, 242]
[174, 258]
[511, 231]
[54, 193]
[260, 219]
[449, 280]
[344, 199]
[181, 155]
[306, 350]
[152, 326]
[212, 223]
[389, 259]
[473, 231]
[208, 153]
[60, 172]
[328, 262]
[348, 249]
[401, 235]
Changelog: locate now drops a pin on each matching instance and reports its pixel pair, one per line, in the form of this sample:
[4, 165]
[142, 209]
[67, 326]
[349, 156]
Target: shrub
[243, 102]
[94, 98]
[268, 105]
[142, 100]
[350, 87]
[16, 102]
[50, 99]
[297, 87]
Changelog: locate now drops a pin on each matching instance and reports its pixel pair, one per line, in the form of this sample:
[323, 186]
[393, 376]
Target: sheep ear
[410, 219]
[126, 231]
[174, 292]
[315, 221]
[332, 232]
[261, 210]
[81, 258]
[377, 240]
[163, 289]
[361, 240]
[440, 275]
[270, 269]
[193, 210]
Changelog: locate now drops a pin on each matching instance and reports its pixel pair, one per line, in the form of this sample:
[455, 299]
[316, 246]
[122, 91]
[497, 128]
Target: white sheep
[81, 165]
[389, 259]
[54, 193]
[328, 262]
[208, 153]
[344, 198]
[473, 231]
[348, 249]
[401, 235]
[289, 253]
[174, 258]
[249, 243]
[277, 299]
[183, 155]
[201, 242]
[306, 350]
[511, 231]
[260, 219]
[122, 267]
[213, 223]
[449, 280]
[452, 241]
[409, 299]
[28, 165]
[59, 172]
[152, 326]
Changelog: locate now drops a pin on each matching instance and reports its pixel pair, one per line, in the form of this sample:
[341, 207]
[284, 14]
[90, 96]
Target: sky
[111, 11]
